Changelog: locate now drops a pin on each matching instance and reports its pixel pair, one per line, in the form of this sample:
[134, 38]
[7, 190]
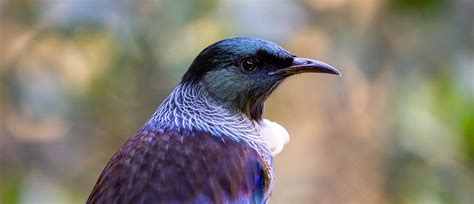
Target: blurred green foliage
[11, 189]
[455, 108]
[416, 5]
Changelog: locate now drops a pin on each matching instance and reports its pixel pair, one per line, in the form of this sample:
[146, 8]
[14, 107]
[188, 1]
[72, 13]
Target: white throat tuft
[274, 135]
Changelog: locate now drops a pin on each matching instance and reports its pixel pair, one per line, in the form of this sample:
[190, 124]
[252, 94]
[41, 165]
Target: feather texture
[182, 166]
[274, 135]
[190, 107]
[192, 150]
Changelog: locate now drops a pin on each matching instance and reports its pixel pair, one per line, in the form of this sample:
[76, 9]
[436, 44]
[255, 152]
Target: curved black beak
[303, 65]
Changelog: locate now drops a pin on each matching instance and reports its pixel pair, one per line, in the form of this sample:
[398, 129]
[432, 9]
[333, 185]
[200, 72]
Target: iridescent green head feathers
[240, 73]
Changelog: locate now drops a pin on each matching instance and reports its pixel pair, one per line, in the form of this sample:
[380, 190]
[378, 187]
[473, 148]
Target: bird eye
[248, 64]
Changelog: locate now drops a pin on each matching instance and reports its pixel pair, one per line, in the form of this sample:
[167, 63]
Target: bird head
[240, 73]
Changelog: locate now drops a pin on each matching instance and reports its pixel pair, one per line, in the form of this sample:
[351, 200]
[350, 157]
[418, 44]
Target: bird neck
[190, 107]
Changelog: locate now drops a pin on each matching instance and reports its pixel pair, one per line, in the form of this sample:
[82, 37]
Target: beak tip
[334, 71]
[315, 66]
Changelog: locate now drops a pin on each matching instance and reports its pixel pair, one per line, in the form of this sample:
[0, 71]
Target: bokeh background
[78, 77]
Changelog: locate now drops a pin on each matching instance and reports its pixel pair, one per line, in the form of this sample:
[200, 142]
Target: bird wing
[181, 166]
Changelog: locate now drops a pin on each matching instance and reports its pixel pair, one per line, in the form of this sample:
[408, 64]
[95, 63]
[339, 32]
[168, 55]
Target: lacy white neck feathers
[190, 107]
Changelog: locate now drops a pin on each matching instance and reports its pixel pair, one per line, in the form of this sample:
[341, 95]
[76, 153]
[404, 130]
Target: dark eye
[249, 64]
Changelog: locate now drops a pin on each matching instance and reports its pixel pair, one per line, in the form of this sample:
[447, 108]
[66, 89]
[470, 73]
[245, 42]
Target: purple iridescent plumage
[190, 151]
[182, 166]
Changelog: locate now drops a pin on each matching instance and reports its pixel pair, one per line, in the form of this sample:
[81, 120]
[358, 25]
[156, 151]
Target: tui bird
[207, 142]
